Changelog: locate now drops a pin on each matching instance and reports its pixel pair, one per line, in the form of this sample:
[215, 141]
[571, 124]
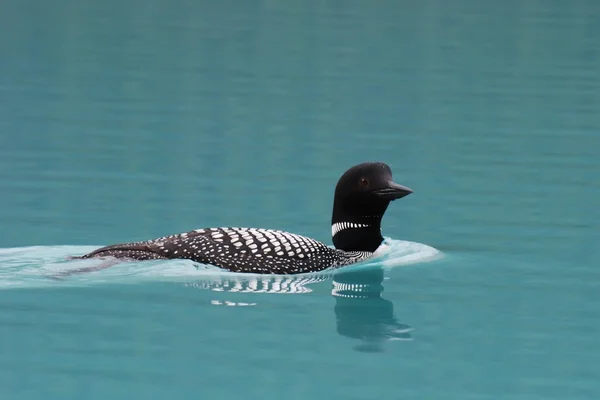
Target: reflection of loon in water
[361, 313]
[281, 284]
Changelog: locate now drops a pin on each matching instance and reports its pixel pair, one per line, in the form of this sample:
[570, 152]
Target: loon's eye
[364, 182]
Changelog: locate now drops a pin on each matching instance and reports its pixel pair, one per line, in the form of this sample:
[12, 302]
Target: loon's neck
[356, 222]
[357, 236]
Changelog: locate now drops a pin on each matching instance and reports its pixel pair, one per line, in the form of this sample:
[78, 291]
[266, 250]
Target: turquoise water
[130, 120]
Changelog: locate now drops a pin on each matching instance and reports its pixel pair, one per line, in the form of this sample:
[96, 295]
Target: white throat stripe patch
[340, 226]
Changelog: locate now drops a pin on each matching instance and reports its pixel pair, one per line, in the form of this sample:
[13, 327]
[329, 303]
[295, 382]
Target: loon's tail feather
[101, 266]
[118, 253]
[133, 251]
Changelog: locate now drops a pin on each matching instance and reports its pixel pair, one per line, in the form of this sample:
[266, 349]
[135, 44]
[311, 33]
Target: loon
[361, 198]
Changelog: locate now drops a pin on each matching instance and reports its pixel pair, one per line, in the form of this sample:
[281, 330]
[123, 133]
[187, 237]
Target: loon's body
[239, 250]
[362, 195]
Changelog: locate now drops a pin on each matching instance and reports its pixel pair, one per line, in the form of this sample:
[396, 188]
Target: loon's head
[362, 195]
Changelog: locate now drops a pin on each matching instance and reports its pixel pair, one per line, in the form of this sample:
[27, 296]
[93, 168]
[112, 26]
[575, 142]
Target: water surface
[132, 120]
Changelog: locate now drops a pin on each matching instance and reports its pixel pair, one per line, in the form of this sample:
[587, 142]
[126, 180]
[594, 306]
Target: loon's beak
[393, 191]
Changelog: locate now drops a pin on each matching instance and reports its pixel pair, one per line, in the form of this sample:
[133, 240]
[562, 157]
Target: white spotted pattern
[249, 250]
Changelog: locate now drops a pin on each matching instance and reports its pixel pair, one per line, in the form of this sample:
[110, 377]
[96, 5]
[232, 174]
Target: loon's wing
[248, 250]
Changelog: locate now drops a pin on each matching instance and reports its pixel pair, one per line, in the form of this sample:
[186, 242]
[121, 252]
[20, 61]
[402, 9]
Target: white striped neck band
[340, 226]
